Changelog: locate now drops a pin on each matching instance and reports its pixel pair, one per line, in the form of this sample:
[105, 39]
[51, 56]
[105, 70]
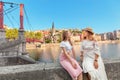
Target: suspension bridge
[18, 46]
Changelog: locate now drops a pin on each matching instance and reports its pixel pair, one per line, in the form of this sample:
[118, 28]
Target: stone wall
[18, 60]
[49, 71]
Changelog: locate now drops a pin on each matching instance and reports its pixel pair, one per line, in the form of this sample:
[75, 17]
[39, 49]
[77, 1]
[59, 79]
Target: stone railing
[15, 60]
[10, 44]
[50, 71]
[11, 48]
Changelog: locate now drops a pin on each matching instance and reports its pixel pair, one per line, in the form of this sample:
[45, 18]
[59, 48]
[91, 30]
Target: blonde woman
[91, 58]
[67, 57]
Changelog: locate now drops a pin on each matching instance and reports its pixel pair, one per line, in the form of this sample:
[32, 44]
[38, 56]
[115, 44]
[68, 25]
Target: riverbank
[109, 41]
[38, 45]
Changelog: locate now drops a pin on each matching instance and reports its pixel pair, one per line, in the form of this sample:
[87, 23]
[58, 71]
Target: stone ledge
[49, 71]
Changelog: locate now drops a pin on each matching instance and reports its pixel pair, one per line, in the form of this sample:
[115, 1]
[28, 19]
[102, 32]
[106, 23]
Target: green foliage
[59, 37]
[38, 35]
[27, 35]
[76, 31]
[48, 40]
[11, 33]
[33, 35]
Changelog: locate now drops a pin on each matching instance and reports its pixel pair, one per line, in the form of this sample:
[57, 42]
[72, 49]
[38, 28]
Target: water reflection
[50, 53]
[110, 51]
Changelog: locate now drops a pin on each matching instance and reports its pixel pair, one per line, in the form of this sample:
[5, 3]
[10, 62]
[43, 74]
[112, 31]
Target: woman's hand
[96, 64]
[74, 65]
[81, 58]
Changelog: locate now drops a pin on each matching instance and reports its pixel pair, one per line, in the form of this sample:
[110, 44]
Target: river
[50, 53]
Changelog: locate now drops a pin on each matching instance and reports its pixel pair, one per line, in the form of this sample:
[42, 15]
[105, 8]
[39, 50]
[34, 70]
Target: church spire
[53, 25]
[53, 33]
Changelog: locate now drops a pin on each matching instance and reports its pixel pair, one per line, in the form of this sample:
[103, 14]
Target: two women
[90, 55]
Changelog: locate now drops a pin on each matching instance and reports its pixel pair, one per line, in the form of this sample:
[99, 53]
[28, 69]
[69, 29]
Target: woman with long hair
[67, 57]
[91, 58]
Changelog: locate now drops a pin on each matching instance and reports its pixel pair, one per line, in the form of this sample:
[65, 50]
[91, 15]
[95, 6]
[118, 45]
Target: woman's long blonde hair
[65, 37]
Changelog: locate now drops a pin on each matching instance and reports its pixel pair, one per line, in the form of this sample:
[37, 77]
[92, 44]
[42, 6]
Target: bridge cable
[28, 22]
[9, 20]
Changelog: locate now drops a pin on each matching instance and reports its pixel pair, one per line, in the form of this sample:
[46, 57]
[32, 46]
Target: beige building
[98, 37]
[76, 38]
[117, 34]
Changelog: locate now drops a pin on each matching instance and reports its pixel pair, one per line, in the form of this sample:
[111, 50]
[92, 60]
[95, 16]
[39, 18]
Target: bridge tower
[21, 29]
[2, 30]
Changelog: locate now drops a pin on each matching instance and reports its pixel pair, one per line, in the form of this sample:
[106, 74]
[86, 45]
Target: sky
[101, 15]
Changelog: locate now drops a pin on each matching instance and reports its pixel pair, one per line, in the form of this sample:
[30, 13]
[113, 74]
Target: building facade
[117, 34]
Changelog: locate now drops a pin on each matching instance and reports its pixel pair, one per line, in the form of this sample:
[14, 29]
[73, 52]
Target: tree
[26, 34]
[15, 33]
[76, 32]
[59, 37]
[33, 35]
[30, 34]
[38, 35]
[11, 33]
[48, 40]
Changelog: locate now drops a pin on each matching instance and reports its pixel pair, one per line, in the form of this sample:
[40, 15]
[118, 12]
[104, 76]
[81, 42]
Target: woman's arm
[96, 61]
[81, 56]
[73, 51]
[97, 53]
[96, 57]
[81, 51]
[66, 54]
